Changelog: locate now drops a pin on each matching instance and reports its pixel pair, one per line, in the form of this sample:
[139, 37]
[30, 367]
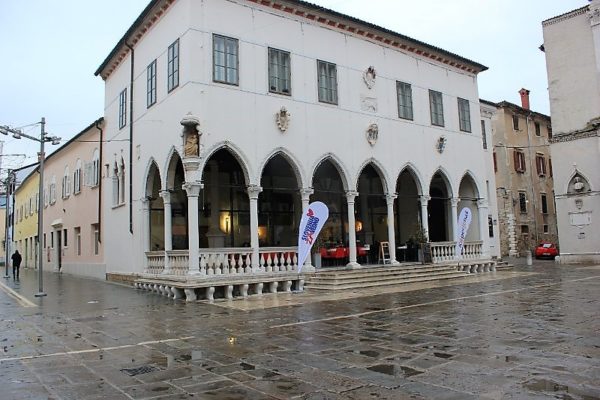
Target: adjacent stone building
[524, 183]
[572, 47]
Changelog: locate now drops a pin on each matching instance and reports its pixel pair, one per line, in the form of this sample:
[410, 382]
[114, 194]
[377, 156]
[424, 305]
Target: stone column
[482, 210]
[145, 230]
[389, 198]
[350, 196]
[168, 228]
[253, 192]
[193, 190]
[306, 193]
[454, 217]
[425, 214]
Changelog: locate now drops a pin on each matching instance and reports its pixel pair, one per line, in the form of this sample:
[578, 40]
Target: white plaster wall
[244, 116]
[573, 73]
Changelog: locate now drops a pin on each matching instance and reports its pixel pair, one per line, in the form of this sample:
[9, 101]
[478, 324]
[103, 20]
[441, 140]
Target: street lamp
[18, 134]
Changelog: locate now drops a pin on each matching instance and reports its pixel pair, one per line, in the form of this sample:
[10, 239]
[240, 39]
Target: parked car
[546, 250]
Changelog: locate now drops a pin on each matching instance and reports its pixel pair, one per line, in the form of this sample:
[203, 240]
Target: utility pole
[18, 134]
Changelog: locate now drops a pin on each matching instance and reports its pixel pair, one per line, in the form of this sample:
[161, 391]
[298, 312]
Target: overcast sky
[51, 48]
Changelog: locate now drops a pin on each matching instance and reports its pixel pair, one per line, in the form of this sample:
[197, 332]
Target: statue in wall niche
[191, 136]
[191, 145]
[578, 185]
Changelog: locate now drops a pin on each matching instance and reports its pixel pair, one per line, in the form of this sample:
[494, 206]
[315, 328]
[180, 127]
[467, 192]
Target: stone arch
[416, 175]
[238, 154]
[469, 178]
[338, 164]
[292, 161]
[438, 208]
[380, 171]
[149, 175]
[173, 158]
[468, 196]
[447, 180]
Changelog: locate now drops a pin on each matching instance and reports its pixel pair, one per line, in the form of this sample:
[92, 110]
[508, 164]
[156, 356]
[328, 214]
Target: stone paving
[530, 333]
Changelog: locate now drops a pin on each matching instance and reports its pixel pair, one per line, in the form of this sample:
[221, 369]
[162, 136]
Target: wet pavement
[529, 333]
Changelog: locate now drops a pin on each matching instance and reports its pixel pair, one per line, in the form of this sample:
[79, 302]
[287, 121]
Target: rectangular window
[464, 115]
[550, 166]
[523, 202]
[524, 229]
[436, 108]
[490, 226]
[495, 162]
[544, 204]
[538, 132]
[327, 79]
[151, 84]
[519, 161]
[549, 132]
[225, 60]
[52, 239]
[78, 241]
[483, 135]
[540, 163]
[405, 106]
[77, 181]
[96, 236]
[65, 242]
[173, 66]
[515, 119]
[123, 108]
[44, 240]
[280, 72]
[546, 229]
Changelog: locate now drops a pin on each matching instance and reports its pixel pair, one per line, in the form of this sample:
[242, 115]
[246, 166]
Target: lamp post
[18, 134]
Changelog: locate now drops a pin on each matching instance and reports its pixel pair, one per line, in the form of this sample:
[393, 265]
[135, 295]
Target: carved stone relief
[372, 134]
[282, 118]
[369, 77]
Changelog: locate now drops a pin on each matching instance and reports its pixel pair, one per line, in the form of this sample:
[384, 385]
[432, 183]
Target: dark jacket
[16, 259]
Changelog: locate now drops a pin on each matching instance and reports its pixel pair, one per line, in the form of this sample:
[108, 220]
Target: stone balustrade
[446, 251]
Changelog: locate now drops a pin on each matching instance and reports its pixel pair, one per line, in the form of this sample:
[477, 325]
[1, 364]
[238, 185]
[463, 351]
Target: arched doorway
[279, 204]
[179, 203]
[407, 214]
[224, 206]
[329, 189]
[468, 194]
[371, 210]
[156, 209]
[438, 209]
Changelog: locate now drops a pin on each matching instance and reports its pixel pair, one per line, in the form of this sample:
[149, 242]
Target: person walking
[16, 262]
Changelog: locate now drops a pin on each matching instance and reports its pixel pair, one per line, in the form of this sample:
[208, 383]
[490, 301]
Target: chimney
[524, 98]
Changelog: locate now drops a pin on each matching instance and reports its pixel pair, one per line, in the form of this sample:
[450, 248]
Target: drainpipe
[100, 186]
[131, 139]
[531, 165]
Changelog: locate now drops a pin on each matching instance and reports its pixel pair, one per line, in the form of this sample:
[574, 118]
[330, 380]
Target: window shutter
[538, 165]
[516, 160]
[550, 165]
[88, 174]
[495, 163]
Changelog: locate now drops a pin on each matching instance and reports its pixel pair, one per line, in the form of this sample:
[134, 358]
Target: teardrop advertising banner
[464, 220]
[310, 225]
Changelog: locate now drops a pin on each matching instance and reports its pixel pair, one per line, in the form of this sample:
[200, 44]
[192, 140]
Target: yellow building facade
[26, 219]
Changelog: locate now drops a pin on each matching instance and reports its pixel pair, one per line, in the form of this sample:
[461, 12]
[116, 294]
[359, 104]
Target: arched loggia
[438, 209]
[155, 209]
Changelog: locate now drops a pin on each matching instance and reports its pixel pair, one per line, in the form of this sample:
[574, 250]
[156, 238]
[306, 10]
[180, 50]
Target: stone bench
[227, 287]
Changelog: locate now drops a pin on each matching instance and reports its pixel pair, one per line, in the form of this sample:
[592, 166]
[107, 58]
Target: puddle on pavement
[162, 361]
[160, 389]
[369, 353]
[394, 370]
[247, 367]
[443, 355]
[544, 385]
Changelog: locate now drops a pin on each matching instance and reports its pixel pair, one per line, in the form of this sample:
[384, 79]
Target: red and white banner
[464, 220]
[310, 225]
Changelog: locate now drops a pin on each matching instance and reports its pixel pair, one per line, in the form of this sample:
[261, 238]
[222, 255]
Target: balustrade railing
[155, 262]
[278, 259]
[224, 261]
[446, 251]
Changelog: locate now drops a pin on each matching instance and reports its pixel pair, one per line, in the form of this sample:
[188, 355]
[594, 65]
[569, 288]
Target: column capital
[166, 196]
[254, 191]
[193, 188]
[390, 197]
[454, 201]
[424, 200]
[305, 193]
[482, 203]
[351, 195]
[145, 202]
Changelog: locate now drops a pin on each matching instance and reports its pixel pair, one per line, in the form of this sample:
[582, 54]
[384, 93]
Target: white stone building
[290, 103]
[572, 48]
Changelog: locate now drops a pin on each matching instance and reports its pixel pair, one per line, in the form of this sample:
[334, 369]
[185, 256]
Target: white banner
[310, 225]
[464, 220]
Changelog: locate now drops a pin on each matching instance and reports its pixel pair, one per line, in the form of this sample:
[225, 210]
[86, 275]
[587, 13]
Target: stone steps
[381, 276]
[504, 266]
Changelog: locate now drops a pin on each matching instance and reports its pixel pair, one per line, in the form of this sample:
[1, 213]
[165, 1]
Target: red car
[546, 250]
